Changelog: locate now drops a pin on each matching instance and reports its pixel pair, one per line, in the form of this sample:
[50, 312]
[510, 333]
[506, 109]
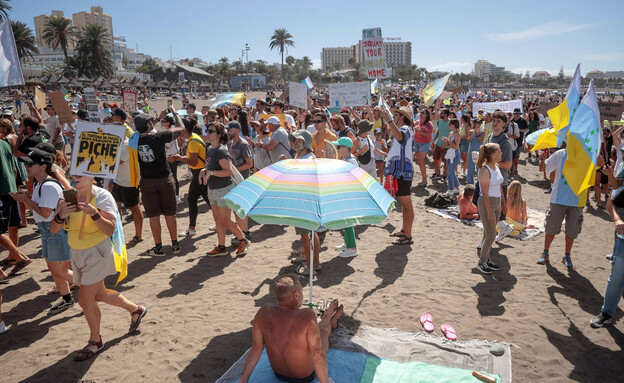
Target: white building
[330, 56]
[482, 67]
[127, 58]
[396, 53]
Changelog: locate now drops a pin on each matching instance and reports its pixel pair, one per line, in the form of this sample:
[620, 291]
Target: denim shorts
[54, 247]
[464, 145]
[422, 147]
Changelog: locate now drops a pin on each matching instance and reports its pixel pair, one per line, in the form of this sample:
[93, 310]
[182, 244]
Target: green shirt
[443, 131]
[7, 169]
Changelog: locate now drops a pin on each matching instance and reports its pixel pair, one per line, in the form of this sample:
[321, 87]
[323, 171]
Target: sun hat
[364, 126]
[404, 110]
[302, 134]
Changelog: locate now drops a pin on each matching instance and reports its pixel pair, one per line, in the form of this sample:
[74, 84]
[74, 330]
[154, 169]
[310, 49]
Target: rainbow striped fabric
[312, 194]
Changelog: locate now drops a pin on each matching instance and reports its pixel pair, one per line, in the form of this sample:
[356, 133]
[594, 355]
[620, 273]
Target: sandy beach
[200, 308]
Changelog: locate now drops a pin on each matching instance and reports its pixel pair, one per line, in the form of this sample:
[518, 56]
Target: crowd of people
[391, 140]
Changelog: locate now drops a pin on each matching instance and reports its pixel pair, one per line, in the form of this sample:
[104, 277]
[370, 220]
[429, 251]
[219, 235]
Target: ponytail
[486, 152]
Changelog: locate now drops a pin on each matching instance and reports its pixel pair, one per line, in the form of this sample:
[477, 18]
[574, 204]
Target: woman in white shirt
[491, 201]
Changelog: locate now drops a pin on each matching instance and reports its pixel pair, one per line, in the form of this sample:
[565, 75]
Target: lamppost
[247, 52]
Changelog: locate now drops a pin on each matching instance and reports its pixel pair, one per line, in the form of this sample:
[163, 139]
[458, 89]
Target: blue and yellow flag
[433, 90]
[584, 141]
[561, 115]
[229, 99]
[119, 250]
[133, 143]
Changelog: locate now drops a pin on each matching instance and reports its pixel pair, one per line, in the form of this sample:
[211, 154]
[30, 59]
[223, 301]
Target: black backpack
[439, 201]
[366, 157]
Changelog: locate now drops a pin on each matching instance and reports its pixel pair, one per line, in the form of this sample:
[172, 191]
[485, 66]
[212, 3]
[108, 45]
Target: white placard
[374, 54]
[298, 95]
[129, 101]
[92, 104]
[505, 106]
[97, 149]
[349, 94]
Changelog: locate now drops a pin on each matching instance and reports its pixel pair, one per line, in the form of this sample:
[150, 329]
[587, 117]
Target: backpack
[365, 158]
[439, 201]
[203, 144]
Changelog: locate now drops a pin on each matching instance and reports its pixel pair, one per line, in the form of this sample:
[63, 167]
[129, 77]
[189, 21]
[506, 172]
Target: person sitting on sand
[296, 345]
[467, 209]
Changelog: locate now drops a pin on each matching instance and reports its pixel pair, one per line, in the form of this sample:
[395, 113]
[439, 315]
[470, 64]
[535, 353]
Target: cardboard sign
[349, 94]
[545, 106]
[97, 149]
[611, 111]
[40, 99]
[129, 101]
[456, 90]
[505, 106]
[282, 118]
[92, 104]
[298, 95]
[61, 107]
[374, 55]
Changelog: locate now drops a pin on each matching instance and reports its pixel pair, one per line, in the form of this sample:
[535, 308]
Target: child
[517, 216]
[467, 209]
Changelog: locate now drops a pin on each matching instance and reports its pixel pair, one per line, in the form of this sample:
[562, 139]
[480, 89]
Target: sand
[200, 308]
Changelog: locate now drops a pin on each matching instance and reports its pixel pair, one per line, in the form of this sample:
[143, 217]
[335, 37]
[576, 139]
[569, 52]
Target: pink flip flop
[449, 331]
[426, 320]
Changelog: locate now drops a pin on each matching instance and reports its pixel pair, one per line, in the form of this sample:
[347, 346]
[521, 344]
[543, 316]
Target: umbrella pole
[311, 263]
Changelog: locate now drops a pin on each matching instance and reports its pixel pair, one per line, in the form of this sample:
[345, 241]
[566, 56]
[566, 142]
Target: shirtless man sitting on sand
[296, 345]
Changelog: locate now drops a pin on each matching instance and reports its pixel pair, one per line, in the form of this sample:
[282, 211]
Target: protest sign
[97, 149]
[374, 54]
[92, 104]
[129, 101]
[545, 106]
[298, 95]
[61, 107]
[456, 90]
[40, 99]
[505, 106]
[349, 94]
[611, 111]
[285, 94]
[282, 118]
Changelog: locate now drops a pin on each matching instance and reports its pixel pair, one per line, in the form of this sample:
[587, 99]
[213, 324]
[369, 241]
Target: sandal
[134, 241]
[398, 234]
[134, 324]
[85, 353]
[7, 262]
[303, 270]
[403, 240]
[20, 265]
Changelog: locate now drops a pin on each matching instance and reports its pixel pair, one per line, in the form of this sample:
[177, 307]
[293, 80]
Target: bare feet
[336, 316]
[333, 313]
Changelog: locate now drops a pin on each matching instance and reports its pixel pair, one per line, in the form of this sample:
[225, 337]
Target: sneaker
[60, 306]
[503, 231]
[187, 233]
[234, 241]
[3, 327]
[243, 244]
[219, 251]
[213, 228]
[178, 199]
[567, 262]
[156, 250]
[435, 176]
[247, 235]
[548, 191]
[187, 176]
[609, 257]
[175, 247]
[341, 247]
[601, 320]
[480, 245]
[483, 267]
[543, 259]
[348, 253]
[493, 266]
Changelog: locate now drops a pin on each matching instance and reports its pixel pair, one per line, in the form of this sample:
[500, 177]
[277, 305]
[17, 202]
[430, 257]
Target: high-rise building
[482, 67]
[331, 56]
[40, 24]
[396, 53]
[96, 16]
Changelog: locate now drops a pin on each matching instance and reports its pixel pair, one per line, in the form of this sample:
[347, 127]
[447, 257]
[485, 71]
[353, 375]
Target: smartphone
[169, 103]
[70, 196]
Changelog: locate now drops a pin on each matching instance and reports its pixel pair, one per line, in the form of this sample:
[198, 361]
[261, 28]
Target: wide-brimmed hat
[364, 126]
[304, 135]
[404, 110]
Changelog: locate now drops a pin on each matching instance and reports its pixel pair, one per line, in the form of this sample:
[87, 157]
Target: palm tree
[93, 53]
[306, 62]
[281, 39]
[58, 33]
[4, 9]
[24, 39]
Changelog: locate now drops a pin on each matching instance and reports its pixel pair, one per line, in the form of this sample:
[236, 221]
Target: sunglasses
[211, 131]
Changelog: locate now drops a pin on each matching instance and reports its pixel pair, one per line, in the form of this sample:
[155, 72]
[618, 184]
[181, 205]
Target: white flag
[10, 68]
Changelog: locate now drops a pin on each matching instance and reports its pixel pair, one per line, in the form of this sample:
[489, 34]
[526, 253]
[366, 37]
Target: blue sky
[446, 35]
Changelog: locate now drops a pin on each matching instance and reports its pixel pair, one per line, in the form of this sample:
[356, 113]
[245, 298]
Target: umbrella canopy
[74, 83]
[62, 80]
[183, 113]
[531, 139]
[83, 79]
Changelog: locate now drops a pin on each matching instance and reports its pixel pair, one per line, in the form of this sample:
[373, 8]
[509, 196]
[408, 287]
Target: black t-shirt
[152, 157]
[29, 143]
[213, 156]
[522, 125]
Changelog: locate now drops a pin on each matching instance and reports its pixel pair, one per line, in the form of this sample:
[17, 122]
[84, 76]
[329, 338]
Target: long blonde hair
[486, 152]
[514, 195]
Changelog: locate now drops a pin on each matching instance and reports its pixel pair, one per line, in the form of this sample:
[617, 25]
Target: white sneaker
[503, 231]
[480, 245]
[187, 176]
[188, 232]
[348, 253]
[213, 228]
[3, 327]
[341, 247]
[178, 199]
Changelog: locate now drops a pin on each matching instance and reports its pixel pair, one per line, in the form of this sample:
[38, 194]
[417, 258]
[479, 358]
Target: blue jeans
[453, 181]
[615, 283]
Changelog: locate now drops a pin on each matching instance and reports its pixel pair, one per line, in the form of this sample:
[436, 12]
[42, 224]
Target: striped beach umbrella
[531, 139]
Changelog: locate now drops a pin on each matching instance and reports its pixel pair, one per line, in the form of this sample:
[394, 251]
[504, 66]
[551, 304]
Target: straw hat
[404, 110]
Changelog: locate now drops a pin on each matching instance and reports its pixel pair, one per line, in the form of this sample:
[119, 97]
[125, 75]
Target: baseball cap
[38, 157]
[274, 120]
[120, 112]
[7, 112]
[141, 121]
[343, 141]
[46, 147]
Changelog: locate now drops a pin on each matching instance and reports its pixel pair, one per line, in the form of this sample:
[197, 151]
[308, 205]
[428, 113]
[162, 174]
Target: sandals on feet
[403, 240]
[86, 354]
[134, 324]
[398, 234]
[7, 262]
[20, 265]
[134, 241]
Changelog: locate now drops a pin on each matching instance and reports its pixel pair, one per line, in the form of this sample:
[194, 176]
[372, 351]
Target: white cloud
[609, 57]
[553, 72]
[549, 29]
[452, 66]
[316, 63]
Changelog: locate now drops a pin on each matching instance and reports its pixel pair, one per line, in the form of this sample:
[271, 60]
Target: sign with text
[92, 104]
[611, 111]
[298, 95]
[374, 55]
[129, 101]
[58, 100]
[97, 149]
[505, 106]
[349, 94]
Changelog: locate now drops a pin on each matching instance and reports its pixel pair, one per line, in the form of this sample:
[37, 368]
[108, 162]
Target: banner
[611, 111]
[10, 68]
[129, 101]
[298, 95]
[97, 149]
[505, 106]
[92, 104]
[374, 54]
[349, 94]
[229, 99]
[61, 107]
[40, 99]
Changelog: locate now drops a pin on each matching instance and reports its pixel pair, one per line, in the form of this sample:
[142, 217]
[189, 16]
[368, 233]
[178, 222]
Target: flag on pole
[434, 89]
[66, 93]
[229, 99]
[584, 143]
[561, 115]
[10, 68]
[374, 87]
[308, 82]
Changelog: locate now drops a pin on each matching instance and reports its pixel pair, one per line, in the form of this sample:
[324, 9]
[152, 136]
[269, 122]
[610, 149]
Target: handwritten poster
[374, 54]
[129, 101]
[57, 98]
[298, 95]
[349, 94]
[92, 104]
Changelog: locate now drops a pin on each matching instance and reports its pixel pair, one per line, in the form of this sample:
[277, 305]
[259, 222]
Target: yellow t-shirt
[377, 124]
[91, 234]
[129, 131]
[196, 145]
[317, 147]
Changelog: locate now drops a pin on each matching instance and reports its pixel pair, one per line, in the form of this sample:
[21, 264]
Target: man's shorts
[54, 247]
[215, 196]
[516, 153]
[421, 147]
[18, 103]
[158, 196]
[94, 264]
[438, 153]
[404, 187]
[129, 196]
[9, 213]
[573, 216]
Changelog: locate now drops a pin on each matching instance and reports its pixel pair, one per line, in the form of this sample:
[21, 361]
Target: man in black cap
[120, 116]
[523, 127]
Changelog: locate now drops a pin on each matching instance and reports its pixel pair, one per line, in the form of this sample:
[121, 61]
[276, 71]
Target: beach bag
[450, 154]
[439, 201]
[391, 185]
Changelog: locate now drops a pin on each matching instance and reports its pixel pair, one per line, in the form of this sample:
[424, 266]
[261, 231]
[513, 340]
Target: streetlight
[247, 52]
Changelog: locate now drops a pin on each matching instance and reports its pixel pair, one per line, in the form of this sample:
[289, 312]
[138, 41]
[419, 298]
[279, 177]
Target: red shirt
[423, 133]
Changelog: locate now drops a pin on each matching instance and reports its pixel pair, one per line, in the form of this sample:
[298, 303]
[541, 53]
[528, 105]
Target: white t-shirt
[261, 156]
[52, 123]
[123, 173]
[311, 129]
[290, 121]
[51, 192]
